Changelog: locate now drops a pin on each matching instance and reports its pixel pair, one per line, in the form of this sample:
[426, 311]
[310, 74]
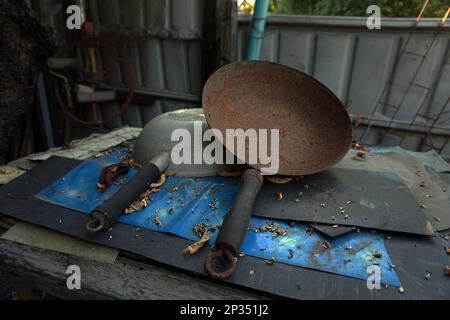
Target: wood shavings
[213, 204]
[447, 270]
[142, 202]
[362, 151]
[200, 229]
[195, 247]
[137, 205]
[170, 173]
[325, 245]
[100, 187]
[276, 231]
[160, 182]
[359, 147]
[130, 162]
[157, 223]
[279, 196]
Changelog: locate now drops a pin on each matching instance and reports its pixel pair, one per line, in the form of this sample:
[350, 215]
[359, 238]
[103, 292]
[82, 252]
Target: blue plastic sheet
[183, 203]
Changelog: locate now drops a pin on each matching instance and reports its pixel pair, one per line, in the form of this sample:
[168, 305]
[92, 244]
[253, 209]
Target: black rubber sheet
[412, 168]
[412, 255]
[345, 197]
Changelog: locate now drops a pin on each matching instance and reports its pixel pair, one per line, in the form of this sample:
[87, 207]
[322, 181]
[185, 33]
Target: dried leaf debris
[202, 231]
[362, 151]
[447, 270]
[145, 197]
[276, 231]
[142, 202]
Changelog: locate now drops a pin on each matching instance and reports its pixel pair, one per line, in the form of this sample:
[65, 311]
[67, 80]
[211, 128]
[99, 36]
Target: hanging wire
[97, 42]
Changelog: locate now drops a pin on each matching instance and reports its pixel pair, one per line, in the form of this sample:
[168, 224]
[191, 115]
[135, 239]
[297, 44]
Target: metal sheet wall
[178, 19]
[356, 64]
[163, 49]
[163, 54]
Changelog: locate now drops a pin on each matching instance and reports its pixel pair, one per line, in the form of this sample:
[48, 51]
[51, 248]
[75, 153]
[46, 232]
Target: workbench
[34, 268]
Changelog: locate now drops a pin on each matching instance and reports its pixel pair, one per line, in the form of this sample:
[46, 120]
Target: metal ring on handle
[95, 224]
[220, 275]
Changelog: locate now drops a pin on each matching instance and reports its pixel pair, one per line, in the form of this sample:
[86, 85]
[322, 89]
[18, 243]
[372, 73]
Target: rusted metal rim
[209, 262]
[314, 128]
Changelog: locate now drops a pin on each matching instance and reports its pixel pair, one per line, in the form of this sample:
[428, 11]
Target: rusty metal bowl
[315, 129]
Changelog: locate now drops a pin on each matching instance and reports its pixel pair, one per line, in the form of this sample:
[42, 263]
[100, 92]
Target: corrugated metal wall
[356, 63]
[164, 54]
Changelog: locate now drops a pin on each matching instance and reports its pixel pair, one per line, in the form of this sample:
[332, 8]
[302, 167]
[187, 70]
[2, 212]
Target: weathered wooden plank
[46, 270]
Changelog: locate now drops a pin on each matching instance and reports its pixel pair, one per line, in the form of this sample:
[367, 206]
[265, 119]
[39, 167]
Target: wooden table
[34, 270]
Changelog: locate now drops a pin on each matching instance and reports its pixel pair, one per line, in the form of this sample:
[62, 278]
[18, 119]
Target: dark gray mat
[409, 166]
[367, 199]
[412, 255]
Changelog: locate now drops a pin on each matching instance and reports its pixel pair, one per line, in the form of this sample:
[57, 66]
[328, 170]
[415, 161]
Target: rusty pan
[315, 129]
[314, 134]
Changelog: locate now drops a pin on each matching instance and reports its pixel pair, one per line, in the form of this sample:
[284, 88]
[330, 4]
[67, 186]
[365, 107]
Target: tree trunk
[25, 45]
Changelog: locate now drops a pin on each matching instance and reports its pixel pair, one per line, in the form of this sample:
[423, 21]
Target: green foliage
[389, 8]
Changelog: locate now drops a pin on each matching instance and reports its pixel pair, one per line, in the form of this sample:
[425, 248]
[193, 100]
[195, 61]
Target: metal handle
[105, 216]
[235, 224]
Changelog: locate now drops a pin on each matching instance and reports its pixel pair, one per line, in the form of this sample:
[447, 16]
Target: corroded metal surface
[315, 129]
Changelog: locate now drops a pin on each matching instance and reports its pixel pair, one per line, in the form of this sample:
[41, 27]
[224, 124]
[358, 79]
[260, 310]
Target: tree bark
[25, 45]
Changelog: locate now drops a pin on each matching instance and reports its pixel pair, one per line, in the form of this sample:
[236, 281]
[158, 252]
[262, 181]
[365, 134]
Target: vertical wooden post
[220, 24]
[209, 39]
[227, 31]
